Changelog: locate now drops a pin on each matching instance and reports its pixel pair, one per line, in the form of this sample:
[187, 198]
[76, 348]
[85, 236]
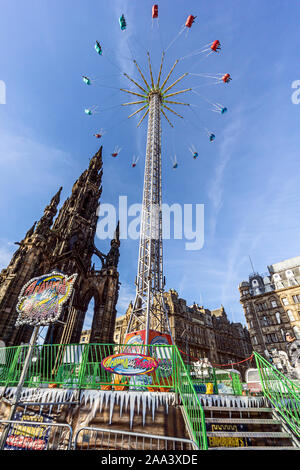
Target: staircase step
[249, 434]
[238, 409]
[242, 420]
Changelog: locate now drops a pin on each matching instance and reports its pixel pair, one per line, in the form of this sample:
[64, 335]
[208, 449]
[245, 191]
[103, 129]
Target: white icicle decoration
[144, 402]
[126, 401]
[132, 405]
[121, 403]
[101, 401]
[112, 403]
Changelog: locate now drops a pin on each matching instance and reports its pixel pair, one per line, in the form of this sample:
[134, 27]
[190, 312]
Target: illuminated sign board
[129, 364]
[41, 299]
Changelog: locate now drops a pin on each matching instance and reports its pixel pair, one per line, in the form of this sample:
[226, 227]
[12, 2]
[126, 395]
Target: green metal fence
[80, 366]
[190, 401]
[221, 380]
[201, 377]
[282, 392]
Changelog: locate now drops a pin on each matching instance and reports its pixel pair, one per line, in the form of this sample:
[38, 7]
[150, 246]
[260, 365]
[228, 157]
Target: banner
[28, 437]
[222, 441]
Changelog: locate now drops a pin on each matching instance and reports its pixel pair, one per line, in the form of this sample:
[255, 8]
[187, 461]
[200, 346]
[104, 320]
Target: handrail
[190, 401]
[282, 392]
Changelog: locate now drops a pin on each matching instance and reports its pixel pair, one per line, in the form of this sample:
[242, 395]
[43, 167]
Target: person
[293, 351]
[98, 48]
[86, 80]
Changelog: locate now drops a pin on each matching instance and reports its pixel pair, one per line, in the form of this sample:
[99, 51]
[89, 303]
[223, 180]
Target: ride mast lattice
[149, 311]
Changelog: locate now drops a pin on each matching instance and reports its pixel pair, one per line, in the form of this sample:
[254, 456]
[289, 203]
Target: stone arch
[81, 304]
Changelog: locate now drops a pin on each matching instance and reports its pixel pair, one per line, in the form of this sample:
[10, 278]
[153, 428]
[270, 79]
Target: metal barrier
[282, 392]
[88, 438]
[32, 435]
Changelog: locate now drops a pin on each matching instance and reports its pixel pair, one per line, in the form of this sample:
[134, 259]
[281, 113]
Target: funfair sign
[129, 364]
[41, 299]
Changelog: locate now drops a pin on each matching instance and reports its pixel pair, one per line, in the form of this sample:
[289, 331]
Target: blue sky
[247, 179]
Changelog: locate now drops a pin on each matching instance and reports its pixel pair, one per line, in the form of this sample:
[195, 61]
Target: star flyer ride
[149, 324]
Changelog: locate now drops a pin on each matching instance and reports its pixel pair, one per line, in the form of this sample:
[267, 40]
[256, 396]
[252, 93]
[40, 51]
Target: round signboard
[129, 364]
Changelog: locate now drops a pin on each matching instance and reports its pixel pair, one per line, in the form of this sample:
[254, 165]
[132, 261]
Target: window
[265, 321]
[261, 307]
[284, 301]
[278, 319]
[273, 303]
[290, 315]
[254, 340]
[271, 338]
[296, 299]
[289, 273]
[296, 332]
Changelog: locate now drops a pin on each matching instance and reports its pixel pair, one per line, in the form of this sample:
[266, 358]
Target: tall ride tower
[149, 312]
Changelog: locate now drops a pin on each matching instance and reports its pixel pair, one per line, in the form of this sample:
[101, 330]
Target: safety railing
[35, 435]
[282, 392]
[93, 438]
[101, 366]
[80, 366]
[190, 401]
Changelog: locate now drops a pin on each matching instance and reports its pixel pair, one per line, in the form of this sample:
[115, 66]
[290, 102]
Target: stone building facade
[271, 303]
[200, 332]
[66, 244]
